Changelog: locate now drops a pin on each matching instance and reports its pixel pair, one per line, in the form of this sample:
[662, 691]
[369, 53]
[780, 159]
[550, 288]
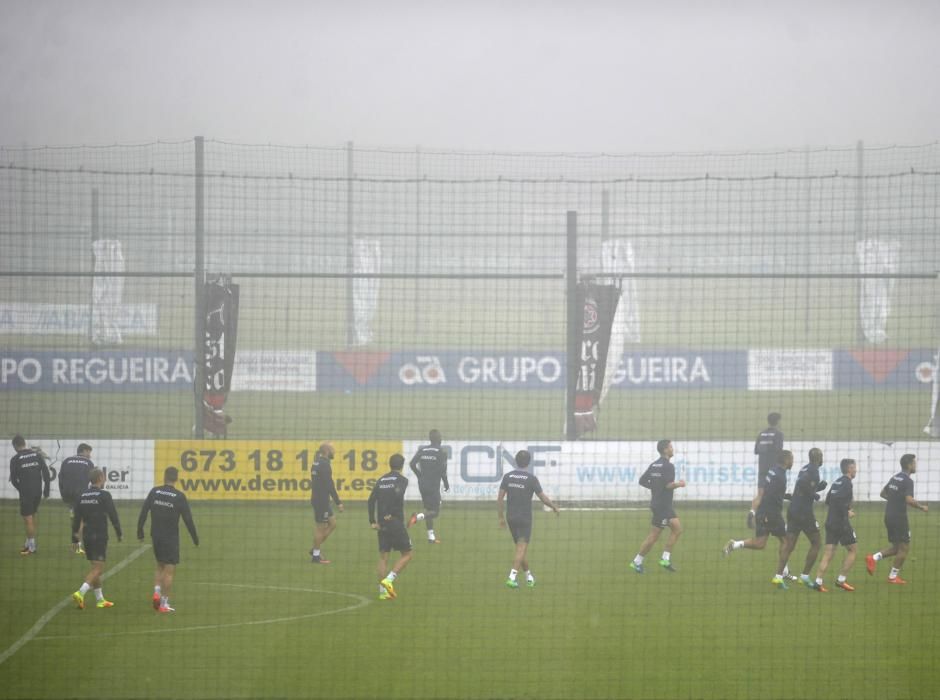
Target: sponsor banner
[73, 319]
[598, 304]
[221, 333]
[585, 472]
[646, 369]
[789, 370]
[106, 370]
[127, 464]
[275, 370]
[269, 470]
[884, 369]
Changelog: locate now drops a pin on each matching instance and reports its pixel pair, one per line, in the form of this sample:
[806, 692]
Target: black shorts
[322, 511]
[770, 524]
[96, 549]
[430, 496]
[840, 533]
[70, 499]
[762, 474]
[802, 523]
[166, 550]
[661, 517]
[393, 535]
[899, 531]
[29, 504]
[521, 530]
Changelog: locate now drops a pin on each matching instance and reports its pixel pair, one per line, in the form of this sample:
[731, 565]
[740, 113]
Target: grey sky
[548, 76]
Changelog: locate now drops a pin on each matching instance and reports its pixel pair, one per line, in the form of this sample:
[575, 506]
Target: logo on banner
[426, 369]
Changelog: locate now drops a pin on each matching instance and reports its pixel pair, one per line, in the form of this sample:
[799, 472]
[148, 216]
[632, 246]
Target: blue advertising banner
[111, 370]
[884, 369]
[650, 368]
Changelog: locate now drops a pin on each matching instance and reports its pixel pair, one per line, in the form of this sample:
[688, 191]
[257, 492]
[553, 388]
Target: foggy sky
[529, 76]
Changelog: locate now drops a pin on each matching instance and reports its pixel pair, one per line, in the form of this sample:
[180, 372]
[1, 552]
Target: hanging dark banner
[600, 304]
[221, 333]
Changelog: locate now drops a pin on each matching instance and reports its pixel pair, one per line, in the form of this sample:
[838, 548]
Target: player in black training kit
[322, 489]
[899, 494]
[838, 528]
[74, 478]
[660, 479]
[430, 464]
[387, 515]
[516, 489]
[768, 447]
[769, 514]
[92, 512]
[167, 505]
[800, 519]
[29, 475]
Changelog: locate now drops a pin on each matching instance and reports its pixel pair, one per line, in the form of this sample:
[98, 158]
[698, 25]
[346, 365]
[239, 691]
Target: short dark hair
[773, 418]
[662, 445]
[523, 458]
[19, 441]
[84, 447]
[396, 462]
[170, 475]
[435, 437]
[845, 464]
[784, 454]
[906, 460]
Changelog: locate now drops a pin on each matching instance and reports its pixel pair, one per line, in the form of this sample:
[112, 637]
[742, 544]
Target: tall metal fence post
[95, 233]
[199, 287]
[350, 253]
[575, 324]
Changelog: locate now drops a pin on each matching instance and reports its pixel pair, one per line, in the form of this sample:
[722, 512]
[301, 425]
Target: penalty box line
[45, 619]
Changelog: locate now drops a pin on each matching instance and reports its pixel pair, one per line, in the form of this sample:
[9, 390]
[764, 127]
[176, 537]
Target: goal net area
[242, 312]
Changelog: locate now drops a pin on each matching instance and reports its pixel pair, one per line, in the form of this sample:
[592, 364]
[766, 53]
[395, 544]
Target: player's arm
[444, 473]
[914, 503]
[333, 494]
[373, 500]
[884, 491]
[76, 523]
[547, 501]
[760, 497]
[413, 464]
[188, 520]
[113, 516]
[501, 507]
[646, 481]
[142, 518]
[14, 474]
[46, 476]
[673, 485]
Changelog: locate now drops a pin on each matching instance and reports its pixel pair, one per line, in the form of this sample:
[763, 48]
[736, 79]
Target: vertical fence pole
[418, 241]
[95, 234]
[350, 306]
[859, 232]
[199, 287]
[575, 324]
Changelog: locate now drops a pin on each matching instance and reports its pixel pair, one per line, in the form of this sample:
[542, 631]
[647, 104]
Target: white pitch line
[360, 602]
[44, 620]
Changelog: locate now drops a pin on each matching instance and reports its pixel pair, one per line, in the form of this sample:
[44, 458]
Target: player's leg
[675, 531]
[169, 573]
[432, 508]
[899, 558]
[98, 570]
[851, 551]
[755, 542]
[828, 551]
[402, 562]
[815, 544]
[157, 585]
[787, 545]
[382, 570]
[637, 563]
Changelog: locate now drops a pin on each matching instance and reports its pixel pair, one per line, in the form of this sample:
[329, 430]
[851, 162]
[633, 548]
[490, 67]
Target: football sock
[841, 578]
[316, 552]
[31, 544]
[512, 574]
[738, 544]
[85, 588]
[666, 556]
[894, 573]
[804, 577]
[819, 581]
[638, 559]
[99, 594]
[786, 570]
[392, 576]
[877, 556]
[420, 516]
[430, 534]
[529, 576]
[157, 590]
[164, 601]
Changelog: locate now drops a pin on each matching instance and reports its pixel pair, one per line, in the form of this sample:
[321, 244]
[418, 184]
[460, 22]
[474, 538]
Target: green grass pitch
[254, 618]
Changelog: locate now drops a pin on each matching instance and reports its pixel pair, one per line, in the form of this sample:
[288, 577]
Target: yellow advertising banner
[269, 469]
